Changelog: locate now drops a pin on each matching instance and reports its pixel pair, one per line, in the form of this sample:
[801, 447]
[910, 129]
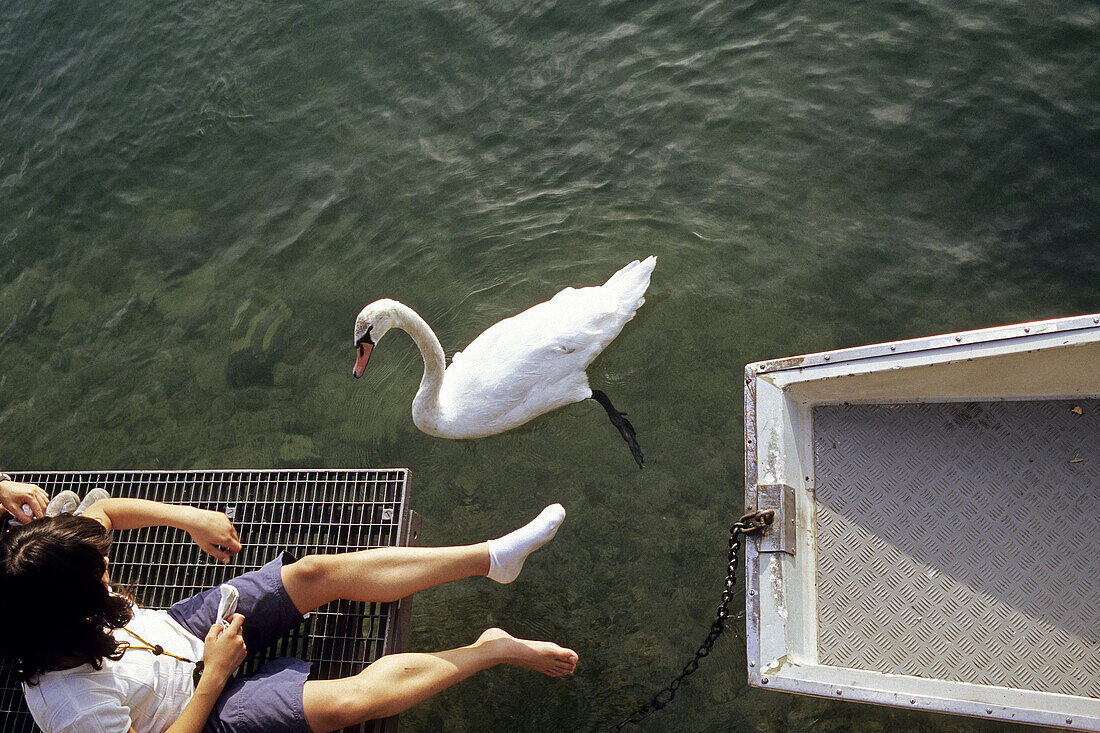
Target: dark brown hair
[55, 602]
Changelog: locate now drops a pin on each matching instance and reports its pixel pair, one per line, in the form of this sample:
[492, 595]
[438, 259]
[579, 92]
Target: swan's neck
[426, 402]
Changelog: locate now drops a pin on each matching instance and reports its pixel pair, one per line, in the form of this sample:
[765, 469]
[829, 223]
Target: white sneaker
[93, 496]
[64, 503]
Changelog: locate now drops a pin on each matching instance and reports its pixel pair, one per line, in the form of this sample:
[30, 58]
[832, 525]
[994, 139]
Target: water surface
[197, 198]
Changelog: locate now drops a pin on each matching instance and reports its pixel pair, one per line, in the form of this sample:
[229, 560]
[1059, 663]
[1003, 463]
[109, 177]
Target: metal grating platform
[958, 541]
[301, 511]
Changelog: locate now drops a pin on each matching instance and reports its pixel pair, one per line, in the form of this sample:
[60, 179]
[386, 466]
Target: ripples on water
[198, 197]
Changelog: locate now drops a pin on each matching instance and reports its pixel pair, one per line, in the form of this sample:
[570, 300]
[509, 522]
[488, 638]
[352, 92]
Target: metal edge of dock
[860, 685]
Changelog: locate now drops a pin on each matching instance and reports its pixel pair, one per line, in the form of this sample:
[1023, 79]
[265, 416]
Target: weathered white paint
[1052, 359]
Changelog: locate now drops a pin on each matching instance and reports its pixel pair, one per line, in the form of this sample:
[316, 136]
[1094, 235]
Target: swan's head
[370, 326]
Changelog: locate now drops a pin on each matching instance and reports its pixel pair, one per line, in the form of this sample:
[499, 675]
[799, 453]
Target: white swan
[519, 368]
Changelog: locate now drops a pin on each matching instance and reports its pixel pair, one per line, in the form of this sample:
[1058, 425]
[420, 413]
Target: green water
[196, 198]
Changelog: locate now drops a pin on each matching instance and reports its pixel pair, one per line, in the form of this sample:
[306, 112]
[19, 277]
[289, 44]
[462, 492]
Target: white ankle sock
[507, 553]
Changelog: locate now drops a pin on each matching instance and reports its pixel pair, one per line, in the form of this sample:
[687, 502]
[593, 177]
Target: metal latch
[780, 535]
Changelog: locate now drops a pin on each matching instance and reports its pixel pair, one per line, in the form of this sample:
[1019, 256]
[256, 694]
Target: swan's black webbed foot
[618, 419]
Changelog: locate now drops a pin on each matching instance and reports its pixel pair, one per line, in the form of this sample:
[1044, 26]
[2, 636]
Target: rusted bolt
[839, 692]
[989, 710]
[893, 347]
[912, 701]
[1096, 320]
[752, 593]
[1027, 330]
[764, 680]
[1069, 721]
[752, 664]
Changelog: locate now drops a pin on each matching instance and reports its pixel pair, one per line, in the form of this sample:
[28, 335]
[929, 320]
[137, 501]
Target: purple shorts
[270, 699]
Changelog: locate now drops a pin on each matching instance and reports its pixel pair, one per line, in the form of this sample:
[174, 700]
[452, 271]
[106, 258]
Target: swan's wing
[517, 368]
[575, 321]
[534, 361]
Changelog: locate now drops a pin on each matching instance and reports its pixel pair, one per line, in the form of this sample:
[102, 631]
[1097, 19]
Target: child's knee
[311, 570]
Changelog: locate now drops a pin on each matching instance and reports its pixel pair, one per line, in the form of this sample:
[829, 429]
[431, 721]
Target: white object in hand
[228, 604]
[519, 368]
[27, 511]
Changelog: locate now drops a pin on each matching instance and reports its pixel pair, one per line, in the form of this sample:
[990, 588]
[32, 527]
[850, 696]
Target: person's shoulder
[77, 685]
[77, 701]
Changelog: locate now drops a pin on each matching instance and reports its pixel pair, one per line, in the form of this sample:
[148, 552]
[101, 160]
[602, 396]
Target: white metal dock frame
[938, 521]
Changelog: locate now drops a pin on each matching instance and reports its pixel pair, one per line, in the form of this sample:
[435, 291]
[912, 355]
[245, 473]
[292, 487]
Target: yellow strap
[156, 649]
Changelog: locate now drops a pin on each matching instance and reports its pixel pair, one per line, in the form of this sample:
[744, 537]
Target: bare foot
[541, 656]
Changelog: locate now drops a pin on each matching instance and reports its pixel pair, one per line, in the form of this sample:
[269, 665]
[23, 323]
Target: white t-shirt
[142, 691]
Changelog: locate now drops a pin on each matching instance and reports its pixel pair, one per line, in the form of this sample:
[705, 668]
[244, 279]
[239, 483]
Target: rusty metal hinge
[780, 536]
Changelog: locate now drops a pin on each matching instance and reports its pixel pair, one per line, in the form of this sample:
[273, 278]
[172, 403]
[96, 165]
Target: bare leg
[396, 682]
[380, 575]
[391, 573]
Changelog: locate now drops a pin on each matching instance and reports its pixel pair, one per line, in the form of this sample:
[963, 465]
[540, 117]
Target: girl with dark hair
[93, 661]
[57, 566]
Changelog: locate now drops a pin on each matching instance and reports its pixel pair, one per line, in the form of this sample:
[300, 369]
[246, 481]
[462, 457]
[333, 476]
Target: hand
[13, 495]
[214, 533]
[224, 649]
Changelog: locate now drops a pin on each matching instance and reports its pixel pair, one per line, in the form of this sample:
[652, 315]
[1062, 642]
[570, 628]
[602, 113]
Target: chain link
[748, 524]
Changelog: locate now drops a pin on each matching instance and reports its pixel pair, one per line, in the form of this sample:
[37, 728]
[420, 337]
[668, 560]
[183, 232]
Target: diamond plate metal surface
[959, 541]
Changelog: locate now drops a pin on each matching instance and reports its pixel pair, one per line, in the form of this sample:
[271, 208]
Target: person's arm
[212, 531]
[14, 494]
[222, 653]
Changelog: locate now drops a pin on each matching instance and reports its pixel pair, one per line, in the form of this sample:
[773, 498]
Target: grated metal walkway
[301, 511]
[958, 541]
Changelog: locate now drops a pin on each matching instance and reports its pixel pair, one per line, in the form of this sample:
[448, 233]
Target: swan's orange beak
[361, 360]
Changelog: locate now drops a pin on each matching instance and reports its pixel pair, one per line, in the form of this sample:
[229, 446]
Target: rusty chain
[749, 523]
